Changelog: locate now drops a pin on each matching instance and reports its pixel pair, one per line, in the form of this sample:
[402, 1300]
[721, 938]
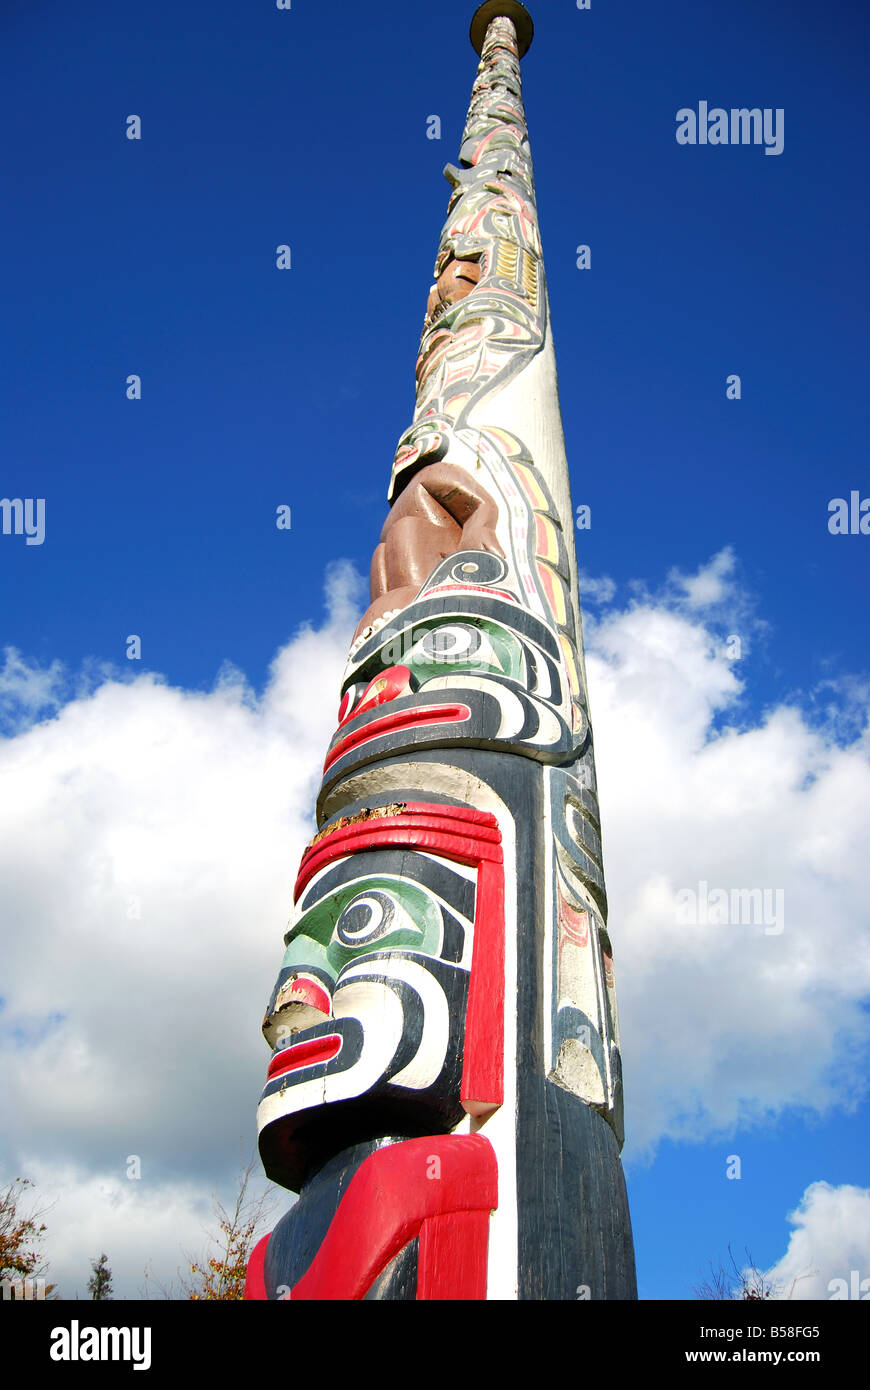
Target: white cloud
[712, 585]
[724, 1025]
[596, 589]
[149, 838]
[828, 1252]
[94, 1212]
[27, 690]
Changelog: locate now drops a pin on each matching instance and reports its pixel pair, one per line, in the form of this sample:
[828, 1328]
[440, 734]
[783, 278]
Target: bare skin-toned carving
[457, 279]
[441, 511]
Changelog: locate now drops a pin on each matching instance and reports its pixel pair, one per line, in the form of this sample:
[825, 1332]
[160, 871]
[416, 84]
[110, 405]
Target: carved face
[369, 1007]
[463, 664]
[456, 278]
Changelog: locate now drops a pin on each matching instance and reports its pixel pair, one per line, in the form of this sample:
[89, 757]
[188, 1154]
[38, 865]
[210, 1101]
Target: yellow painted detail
[547, 539]
[555, 593]
[509, 444]
[570, 664]
[507, 258]
[531, 487]
[530, 278]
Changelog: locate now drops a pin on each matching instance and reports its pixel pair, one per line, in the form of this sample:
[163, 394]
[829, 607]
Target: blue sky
[263, 387]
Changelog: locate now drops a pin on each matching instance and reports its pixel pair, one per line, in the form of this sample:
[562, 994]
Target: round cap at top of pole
[509, 9]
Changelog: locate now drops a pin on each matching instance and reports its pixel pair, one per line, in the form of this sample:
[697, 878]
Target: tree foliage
[100, 1282]
[749, 1283]
[20, 1235]
[222, 1275]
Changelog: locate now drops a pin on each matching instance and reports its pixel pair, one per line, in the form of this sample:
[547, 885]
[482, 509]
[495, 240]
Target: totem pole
[445, 1088]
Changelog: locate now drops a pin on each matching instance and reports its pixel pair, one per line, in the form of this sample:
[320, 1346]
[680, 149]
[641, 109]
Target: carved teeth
[368, 632]
[381, 621]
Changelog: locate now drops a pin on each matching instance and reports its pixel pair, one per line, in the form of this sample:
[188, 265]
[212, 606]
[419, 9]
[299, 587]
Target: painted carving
[456, 279]
[444, 1090]
[372, 1018]
[415, 1215]
[441, 511]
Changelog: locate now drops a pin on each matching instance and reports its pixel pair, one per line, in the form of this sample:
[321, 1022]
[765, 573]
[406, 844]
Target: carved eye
[450, 644]
[370, 917]
[456, 646]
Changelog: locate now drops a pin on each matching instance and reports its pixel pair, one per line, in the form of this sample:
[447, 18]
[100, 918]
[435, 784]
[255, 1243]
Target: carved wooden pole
[445, 1089]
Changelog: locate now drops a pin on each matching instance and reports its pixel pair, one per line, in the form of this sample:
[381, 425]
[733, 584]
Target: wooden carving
[444, 1091]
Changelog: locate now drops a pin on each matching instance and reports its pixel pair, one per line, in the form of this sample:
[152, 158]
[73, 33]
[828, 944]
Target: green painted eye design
[370, 914]
[370, 920]
[454, 648]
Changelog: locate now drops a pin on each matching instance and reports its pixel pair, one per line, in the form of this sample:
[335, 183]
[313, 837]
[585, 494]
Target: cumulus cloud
[152, 1231]
[712, 585]
[149, 836]
[828, 1255]
[728, 1021]
[27, 690]
[596, 589]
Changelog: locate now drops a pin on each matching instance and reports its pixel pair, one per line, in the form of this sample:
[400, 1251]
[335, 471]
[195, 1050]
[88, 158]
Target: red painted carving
[483, 1061]
[389, 685]
[416, 718]
[304, 1054]
[440, 1189]
[468, 837]
[451, 1256]
[255, 1284]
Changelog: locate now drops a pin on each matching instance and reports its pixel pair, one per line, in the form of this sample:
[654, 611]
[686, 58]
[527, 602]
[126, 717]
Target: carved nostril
[389, 685]
[303, 990]
[301, 1002]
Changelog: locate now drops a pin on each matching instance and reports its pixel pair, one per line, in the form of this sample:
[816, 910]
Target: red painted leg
[451, 1257]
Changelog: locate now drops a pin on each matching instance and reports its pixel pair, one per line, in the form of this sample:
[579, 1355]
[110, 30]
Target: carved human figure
[441, 511]
[456, 279]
